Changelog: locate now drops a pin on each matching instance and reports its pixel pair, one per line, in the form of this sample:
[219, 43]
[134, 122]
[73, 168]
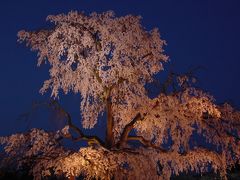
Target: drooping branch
[212, 127]
[219, 132]
[234, 124]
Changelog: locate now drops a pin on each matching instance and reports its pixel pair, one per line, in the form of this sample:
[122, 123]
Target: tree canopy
[109, 60]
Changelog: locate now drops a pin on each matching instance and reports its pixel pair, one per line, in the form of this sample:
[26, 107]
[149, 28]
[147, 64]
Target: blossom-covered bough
[109, 60]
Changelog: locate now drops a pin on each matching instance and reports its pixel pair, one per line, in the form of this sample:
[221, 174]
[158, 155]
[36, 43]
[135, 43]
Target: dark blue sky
[199, 33]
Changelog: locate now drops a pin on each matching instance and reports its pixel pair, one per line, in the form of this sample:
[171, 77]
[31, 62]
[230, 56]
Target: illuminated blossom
[109, 60]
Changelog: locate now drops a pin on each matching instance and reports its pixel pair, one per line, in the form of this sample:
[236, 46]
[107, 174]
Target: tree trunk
[109, 133]
[71, 178]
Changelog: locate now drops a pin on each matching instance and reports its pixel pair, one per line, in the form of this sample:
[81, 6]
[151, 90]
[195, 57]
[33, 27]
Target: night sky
[198, 33]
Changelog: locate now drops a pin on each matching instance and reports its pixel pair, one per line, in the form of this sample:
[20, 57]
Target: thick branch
[96, 74]
[146, 143]
[120, 81]
[90, 139]
[127, 129]
[99, 79]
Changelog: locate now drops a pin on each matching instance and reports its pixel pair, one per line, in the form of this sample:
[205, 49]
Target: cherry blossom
[109, 60]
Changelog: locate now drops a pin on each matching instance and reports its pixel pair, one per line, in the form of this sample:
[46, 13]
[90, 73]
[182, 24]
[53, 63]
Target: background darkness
[199, 33]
